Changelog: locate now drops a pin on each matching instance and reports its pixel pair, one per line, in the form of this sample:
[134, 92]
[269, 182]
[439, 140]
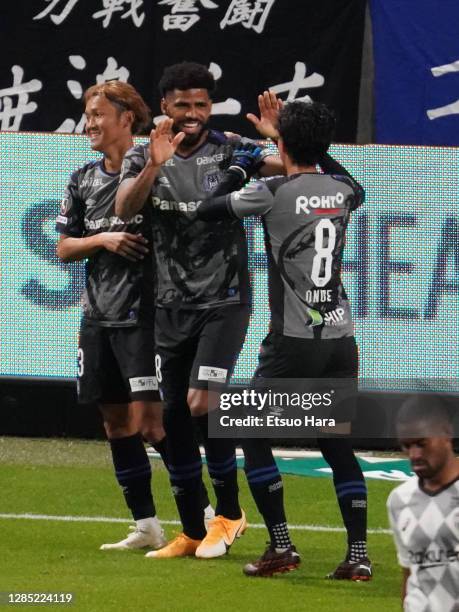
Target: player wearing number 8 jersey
[305, 216]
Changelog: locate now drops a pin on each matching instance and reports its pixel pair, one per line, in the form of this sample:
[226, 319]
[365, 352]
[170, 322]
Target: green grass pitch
[74, 479]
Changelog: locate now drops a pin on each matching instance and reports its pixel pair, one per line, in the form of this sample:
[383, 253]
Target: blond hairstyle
[126, 98]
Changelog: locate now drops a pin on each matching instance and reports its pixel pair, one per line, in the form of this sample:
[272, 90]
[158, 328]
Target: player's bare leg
[149, 417]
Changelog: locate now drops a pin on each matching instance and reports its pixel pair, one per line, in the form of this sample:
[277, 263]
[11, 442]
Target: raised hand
[163, 143]
[269, 105]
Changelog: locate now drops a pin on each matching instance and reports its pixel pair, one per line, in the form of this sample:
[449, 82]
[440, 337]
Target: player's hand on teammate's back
[163, 143]
[130, 246]
[269, 105]
[247, 159]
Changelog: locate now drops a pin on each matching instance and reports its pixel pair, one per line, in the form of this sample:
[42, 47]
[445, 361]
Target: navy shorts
[299, 358]
[116, 365]
[286, 357]
[198, 347]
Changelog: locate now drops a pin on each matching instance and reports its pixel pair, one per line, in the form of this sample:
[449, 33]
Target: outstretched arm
[133, 192]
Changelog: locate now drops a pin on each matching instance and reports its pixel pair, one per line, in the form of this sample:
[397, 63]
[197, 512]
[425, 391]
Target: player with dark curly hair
[203, 296]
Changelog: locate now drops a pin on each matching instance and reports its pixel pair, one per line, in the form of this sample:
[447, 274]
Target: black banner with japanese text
[54, 49]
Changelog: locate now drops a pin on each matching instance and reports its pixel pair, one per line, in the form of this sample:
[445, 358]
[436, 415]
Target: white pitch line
[108, 519]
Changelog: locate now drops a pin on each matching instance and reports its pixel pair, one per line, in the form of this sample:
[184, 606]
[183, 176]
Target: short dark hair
[186, 75]
[306, 129]
[428, 409]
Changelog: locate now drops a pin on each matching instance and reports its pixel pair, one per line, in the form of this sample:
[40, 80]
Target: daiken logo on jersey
[210, 159]
[173, 205]
[106, 222]
[319, 204]
[92, 182]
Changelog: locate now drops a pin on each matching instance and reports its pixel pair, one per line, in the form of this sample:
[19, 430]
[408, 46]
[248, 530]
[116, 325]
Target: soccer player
[115, 363]
[305, 216]
[203, 297]
[424, 511]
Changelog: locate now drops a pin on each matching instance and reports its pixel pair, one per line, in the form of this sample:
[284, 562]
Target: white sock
[148, 524]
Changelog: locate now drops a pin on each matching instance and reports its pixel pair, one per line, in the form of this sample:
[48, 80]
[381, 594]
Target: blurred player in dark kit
[115, 356]
[305, 216]
[203, 297]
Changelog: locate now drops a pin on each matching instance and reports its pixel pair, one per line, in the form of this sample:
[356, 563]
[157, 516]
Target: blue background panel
[401, 265]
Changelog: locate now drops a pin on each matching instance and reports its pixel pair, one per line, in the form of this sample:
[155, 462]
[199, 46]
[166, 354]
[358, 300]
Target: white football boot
[149, 534]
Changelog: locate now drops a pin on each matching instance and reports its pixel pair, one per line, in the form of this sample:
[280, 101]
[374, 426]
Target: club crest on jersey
[163, 180]
[210, 181]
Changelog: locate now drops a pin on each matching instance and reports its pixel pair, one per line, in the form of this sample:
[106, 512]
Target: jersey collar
[440, 490]
[101, 165]
[213, 137]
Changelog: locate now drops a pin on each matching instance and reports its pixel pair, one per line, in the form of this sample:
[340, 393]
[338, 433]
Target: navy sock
[133, 472]
[351, 491]
[221, 463]
[205, 501]
[161, 448]
[266, 486]
[186, 482]
[185, 468]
